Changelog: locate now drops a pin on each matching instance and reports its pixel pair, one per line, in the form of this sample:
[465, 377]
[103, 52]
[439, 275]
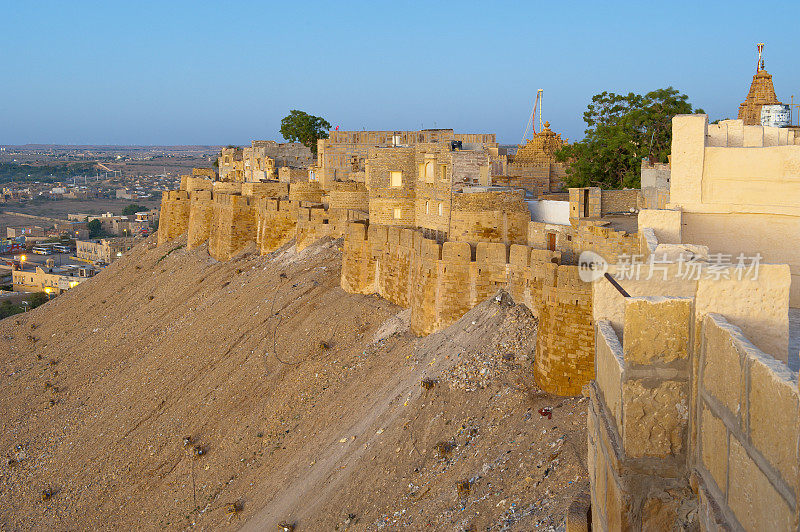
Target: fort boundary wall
[441, 282]
[174, 217]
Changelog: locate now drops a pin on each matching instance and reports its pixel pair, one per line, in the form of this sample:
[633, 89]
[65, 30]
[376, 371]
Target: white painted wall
[549, 211]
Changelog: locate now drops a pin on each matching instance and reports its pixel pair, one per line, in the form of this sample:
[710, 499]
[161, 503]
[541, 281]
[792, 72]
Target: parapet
[204, 172]
[734, 134]
[193, 183]
[270, 189]
[227, 187]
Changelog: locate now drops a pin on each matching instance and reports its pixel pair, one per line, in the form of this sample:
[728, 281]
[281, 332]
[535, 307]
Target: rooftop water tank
[775, 115]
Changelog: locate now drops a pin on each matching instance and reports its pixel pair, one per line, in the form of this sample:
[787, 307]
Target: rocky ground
[175, 392]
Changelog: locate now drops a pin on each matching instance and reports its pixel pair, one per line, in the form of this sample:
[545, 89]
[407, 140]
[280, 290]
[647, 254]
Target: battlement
[440, 282]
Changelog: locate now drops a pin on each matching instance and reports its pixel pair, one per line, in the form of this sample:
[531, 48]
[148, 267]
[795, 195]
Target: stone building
[105, 250]
[343, 155]
[261, 160]
[49, 278]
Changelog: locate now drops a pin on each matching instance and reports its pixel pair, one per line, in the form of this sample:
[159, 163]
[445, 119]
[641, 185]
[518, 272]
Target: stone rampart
[233, 225]
[441, 282]
[489, 216]
[349, 195]
[309, 191]
[174, 217]
[694, 411]
[276, 223]
[200, 209]
[748, 425]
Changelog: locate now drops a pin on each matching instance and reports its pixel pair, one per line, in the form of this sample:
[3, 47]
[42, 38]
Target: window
[427, 207]
[396, 179]
[429, 172]
[443, 172]
[398, 212]
[441, 208]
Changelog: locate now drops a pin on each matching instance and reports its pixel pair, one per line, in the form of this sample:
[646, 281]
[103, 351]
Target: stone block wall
[348, 195]
[748, 424]
[174, 217]
[441, 282]
[277, 223]
[288, 174]
[688, 417]
[200, 209]
[639, 418]
[564, 359]
[616, 201]
[233, 225]
[309, 191]
[265, 189]
[489, 216]
[193, 182]
[570, 240]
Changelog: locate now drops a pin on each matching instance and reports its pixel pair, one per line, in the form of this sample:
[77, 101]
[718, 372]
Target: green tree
[9, 309]
[299, 126]
[133, 209]
[621, 131]
[95, 228]
[38, 299]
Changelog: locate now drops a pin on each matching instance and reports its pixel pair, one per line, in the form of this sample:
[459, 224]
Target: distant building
[49, 278]
[105, 250]
[26, 231]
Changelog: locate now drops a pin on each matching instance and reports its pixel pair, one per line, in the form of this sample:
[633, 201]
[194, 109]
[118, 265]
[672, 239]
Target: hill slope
[172, 389]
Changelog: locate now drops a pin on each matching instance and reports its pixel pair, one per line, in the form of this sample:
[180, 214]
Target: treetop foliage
[133, 209]
[299, 126]
[621, 131]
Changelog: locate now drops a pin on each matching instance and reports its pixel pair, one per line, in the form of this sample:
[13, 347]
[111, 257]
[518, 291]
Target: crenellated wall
[694, 416]
[441, 282]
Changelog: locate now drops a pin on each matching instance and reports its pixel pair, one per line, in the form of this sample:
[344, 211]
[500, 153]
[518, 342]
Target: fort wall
[693, 409]
[276, 223]
[233, 225]
[490, 216]
[174, 217]
[200, 213]
[441, 282]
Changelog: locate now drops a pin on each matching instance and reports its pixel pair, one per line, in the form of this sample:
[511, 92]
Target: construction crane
[532, 119]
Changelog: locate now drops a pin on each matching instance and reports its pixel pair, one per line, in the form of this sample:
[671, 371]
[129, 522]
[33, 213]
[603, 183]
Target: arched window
[427, 207]
[429, 172]
[441, 209]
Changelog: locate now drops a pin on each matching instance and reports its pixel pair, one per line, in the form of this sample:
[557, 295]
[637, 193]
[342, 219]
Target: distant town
[68, 211]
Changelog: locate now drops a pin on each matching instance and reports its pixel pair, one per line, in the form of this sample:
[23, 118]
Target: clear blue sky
[189, 72]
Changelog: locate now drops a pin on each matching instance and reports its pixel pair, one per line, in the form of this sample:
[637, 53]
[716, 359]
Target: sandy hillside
[173, 392]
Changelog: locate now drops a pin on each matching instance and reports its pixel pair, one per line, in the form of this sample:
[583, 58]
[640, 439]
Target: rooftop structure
[761, 93]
